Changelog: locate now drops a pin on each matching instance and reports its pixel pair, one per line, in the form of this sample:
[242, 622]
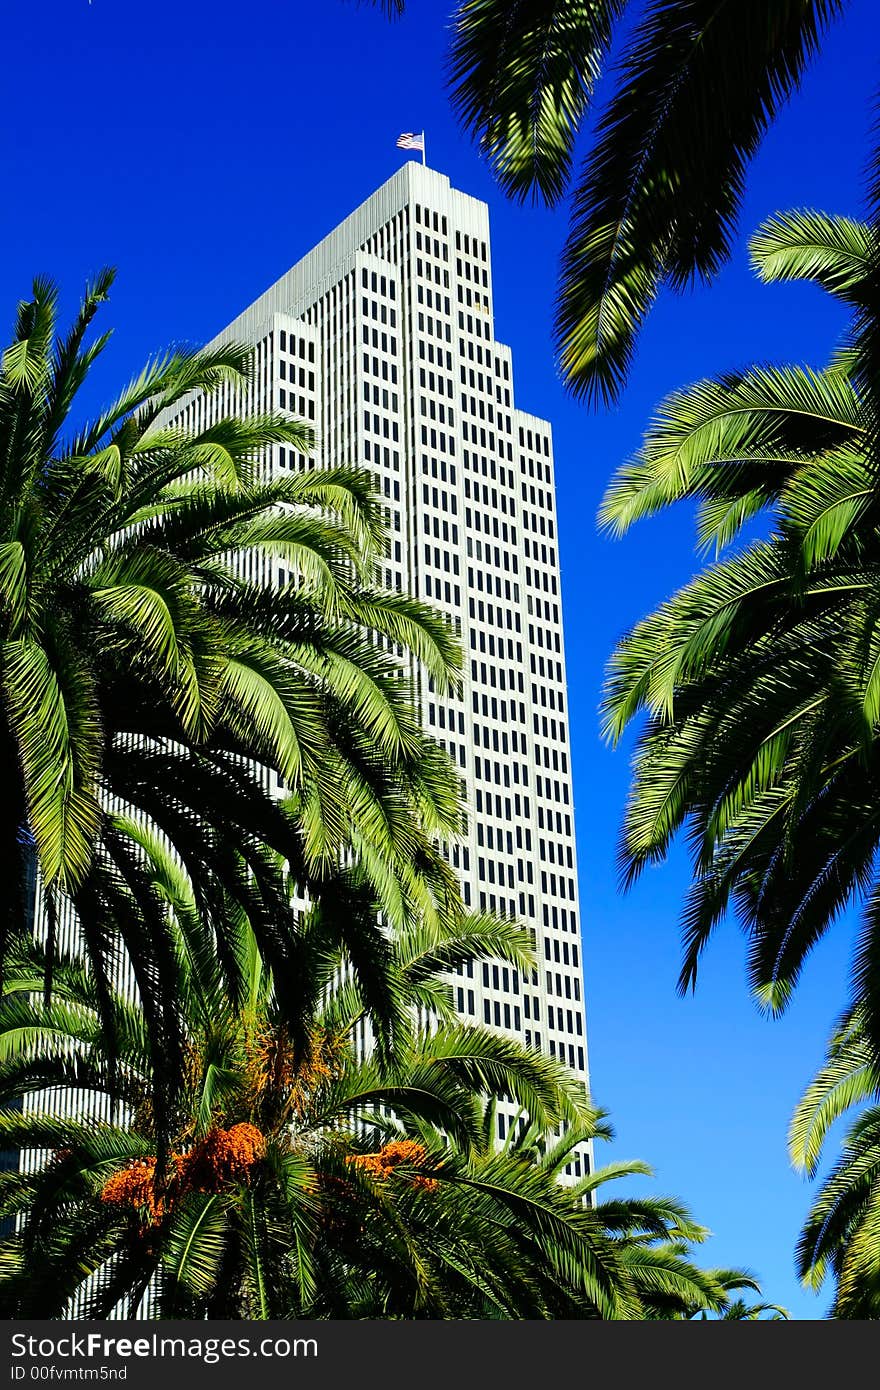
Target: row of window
[441, 528]
[498, 709]
[429, 219]
[439, 499]
[574, 1058]
[537, 497]
[433, 299]
[552, 790]
[477, 273]
[542, 608]
[475, 352]
[502, 838]
[539, 550]
[442, 590]
[561, 918]
[489, 902]
[546, 695]
[439, 248]
[550, 728]
[478, 434]
[456, 751]
[490, 524]
[502, 1015]
[380, 396]
[477, 325]
[551, 852]
[437, 410]
[438, 469]
[565, 1020]
[542, 579]
[382, 426]
[298, 377]
[305, 350]
[390, 581]
[439, 356]
[490, 868]
[499, 740]
[379, 367]
[505, 533]
[441, 559]
[469, 244]
[478, 382]
[549, 668]
[536, 468]
[289, 458]
[472, 299]
[434, 273]
[498, 677]
[433, 381]
[561, 952]
[501, 557]
[494, 617]
[542, 638]
[494, 584]
[461, 1005]
[503, 775]
[443, 717]
[434, 328]
[567, 985]
[551, 757]
[538, 443]
[479, 409]
[562, 824]
[380, 313]
[378, 284]
[494, 675]
[438, 441]
[557, 885]
[498, 645]
[502, 808]
[460, 858]
[378, 453]
[382, 342]
[298, 405]
[503, 977]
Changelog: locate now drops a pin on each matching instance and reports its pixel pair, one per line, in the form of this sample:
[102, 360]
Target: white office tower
[382, 338]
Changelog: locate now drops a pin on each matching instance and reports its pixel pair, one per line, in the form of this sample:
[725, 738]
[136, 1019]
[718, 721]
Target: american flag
[410, 141]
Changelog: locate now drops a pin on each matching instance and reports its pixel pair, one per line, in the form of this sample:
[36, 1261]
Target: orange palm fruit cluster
[135, 1186]
[401, 1151]
[223, 1156]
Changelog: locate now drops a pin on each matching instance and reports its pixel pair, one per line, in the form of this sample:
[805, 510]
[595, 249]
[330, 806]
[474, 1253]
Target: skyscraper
[382, 338]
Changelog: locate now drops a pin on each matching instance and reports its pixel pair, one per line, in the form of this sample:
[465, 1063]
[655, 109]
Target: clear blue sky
[202, 148]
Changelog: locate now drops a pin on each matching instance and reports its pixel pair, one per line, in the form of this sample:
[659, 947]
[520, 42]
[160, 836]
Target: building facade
[382, 338]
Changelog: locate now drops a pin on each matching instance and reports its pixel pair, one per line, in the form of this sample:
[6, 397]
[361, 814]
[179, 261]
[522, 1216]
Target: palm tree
[738, 1310]
[152, 692]
[761, 677]
[656, 201]
[340, 1181]
[292, 1186]
[840, 1238]
[735, 1281]
[653, 1237]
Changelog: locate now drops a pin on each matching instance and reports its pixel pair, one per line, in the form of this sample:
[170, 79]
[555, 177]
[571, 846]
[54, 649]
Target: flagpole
[423, 149]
